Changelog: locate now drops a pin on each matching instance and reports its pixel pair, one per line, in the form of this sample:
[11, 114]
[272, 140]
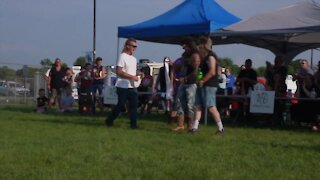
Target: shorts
[199, 97]
[55, 94]
[210, 96]
[187, 93]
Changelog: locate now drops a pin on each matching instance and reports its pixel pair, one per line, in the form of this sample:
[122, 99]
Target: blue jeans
[124, 95]
[98, 87]
[99, 99]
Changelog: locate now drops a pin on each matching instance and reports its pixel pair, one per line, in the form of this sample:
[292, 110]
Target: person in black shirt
[56, 83]
[276, 77]
[247, 78]
[146, 87]
[207, 85]
[42, 102]
[188, 86]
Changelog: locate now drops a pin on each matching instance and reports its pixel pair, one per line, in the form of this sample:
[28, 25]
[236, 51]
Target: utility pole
[94, 31]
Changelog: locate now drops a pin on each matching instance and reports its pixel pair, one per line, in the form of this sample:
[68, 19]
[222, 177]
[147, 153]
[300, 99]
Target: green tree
[293, 66]
[227, 62]
[81, 61]
[6, 72]
[46, 63]
[261, 71]
[31, 71]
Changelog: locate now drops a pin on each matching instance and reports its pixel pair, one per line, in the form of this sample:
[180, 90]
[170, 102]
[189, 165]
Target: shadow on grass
[58, 117]
[75, 117]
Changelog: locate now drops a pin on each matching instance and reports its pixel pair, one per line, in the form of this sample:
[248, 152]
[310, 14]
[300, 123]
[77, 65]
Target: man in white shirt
[126, 88]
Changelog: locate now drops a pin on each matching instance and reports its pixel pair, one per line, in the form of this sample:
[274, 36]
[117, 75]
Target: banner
[262, 102]
[110, 95]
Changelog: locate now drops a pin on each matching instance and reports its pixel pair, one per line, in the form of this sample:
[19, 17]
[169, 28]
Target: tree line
[6, 72]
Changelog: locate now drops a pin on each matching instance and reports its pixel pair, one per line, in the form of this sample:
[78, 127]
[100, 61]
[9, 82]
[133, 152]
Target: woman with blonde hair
[207, 85]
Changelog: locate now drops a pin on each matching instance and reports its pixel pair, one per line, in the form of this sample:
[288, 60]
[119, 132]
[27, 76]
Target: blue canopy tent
[192, 17]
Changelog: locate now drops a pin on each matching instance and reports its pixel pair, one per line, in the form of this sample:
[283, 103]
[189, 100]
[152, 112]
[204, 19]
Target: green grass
[70, 146]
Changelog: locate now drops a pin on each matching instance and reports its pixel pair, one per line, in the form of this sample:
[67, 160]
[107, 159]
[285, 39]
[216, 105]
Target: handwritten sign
[262, 102]
[110, 95]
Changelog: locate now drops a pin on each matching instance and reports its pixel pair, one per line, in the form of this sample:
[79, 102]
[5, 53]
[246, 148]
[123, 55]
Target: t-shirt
[222, 81]
[86, 80]
[231, 79]
[41, 101]
[129, 65]
[251, 74]
[57, 78]
[177, 70]
[146, 83]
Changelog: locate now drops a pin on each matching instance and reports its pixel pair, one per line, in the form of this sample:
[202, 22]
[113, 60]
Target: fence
[21, 90]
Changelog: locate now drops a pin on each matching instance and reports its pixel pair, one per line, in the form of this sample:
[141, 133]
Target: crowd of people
[179, 81]
[186, 86]
[90, 82]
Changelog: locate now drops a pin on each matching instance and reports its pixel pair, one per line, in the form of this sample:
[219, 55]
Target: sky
[32, 30]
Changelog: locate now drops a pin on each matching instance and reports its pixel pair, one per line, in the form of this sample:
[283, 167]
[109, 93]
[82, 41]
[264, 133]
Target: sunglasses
[134, 46]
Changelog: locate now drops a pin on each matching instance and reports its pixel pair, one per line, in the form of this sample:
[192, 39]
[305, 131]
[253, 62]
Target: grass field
[70, 146]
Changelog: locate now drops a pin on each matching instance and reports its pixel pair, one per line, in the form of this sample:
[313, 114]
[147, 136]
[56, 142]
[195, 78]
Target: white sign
[262, 102]
[110, 95]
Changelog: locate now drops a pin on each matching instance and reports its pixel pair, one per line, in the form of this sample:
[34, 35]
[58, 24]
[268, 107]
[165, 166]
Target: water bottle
[200, 75]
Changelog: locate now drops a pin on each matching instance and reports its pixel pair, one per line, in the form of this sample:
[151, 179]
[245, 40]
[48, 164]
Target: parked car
[12, 88]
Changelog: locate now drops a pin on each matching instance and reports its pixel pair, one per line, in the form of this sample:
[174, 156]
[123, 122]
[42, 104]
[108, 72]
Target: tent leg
[118, 42]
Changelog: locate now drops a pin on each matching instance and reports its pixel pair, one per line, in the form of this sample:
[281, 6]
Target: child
[67, 102]
[42, 102]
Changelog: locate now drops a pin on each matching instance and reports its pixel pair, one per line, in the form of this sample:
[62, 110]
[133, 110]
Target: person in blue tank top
[99, 73]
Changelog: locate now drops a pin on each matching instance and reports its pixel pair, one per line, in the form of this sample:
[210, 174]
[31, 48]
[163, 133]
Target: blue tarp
[192, 17]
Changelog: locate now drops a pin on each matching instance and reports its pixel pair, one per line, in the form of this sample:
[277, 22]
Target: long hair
[125, 47]
[191, 44]
[204, 46]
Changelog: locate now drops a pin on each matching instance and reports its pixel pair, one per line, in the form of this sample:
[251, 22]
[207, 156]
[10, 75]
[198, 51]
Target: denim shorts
[210, 96]
[199, 97]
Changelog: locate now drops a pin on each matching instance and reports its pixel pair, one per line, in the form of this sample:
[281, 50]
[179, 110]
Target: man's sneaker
[220, 132]
[179, 128]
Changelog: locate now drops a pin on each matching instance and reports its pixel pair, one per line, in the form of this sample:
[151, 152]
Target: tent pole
[311, 58]
[118, 41]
